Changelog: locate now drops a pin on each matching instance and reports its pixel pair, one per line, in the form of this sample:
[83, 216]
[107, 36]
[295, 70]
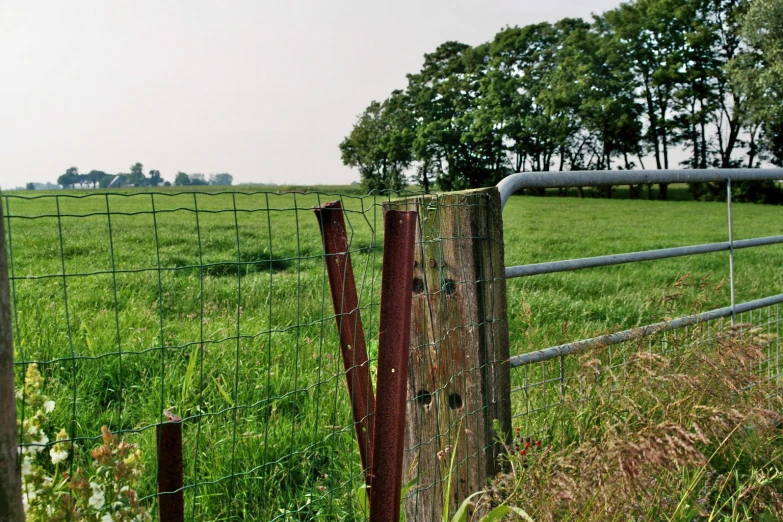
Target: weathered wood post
[10, 479]
[458, 378]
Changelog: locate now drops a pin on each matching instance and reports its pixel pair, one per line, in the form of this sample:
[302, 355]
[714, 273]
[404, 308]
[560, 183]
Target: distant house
[116, 182]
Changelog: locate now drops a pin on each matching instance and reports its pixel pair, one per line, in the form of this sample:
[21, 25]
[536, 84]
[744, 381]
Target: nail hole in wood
[418, 286]
[424, 398]
[455, 401]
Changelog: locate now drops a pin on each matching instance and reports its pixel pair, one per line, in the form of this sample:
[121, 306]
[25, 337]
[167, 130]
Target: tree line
[624, 89]
[135, 178]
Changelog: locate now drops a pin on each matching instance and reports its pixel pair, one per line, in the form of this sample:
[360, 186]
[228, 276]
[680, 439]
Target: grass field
[216, 306]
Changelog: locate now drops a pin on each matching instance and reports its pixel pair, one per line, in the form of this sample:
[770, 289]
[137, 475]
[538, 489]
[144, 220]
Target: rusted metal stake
[393, 346]
[171, 502]
[349, 325]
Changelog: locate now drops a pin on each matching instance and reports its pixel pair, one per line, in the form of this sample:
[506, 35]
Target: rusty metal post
[349, 326]
[393, 347]
[10, 473]
[171, 501]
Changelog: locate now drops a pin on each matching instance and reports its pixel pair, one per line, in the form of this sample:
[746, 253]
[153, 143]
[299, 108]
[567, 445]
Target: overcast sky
[263, 90]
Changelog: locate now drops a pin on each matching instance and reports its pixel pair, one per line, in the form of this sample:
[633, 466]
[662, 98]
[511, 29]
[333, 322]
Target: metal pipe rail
[537, 180]
[634, 257]
[641, 331]
[595, 178]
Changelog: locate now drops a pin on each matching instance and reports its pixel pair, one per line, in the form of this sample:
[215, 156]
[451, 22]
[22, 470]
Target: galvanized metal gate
[530, 396]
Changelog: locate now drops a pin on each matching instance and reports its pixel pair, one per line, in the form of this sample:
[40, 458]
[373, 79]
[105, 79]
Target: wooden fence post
[10, 480]
[458, 377]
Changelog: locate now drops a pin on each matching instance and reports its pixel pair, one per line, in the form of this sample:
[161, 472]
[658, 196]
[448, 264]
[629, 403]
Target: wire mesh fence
[135, 307]
[540, 390]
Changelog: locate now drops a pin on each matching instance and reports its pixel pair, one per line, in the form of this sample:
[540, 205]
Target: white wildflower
[97, 499]
[107, 518]
[26, 466]
[39, 444]
[58, 456]
[48, 406]
[30, 494]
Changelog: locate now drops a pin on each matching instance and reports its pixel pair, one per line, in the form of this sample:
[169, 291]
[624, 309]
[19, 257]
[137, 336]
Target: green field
[216, 306]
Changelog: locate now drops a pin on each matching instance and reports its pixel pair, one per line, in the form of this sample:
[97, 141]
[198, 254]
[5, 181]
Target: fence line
[213, 309]
[208, 313]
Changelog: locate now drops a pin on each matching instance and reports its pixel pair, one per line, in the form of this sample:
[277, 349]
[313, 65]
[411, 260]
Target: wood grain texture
[10, 480]
[458, 379]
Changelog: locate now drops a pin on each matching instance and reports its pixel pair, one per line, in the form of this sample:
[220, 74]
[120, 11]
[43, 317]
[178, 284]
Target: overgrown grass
[693, 433]
[224, 317]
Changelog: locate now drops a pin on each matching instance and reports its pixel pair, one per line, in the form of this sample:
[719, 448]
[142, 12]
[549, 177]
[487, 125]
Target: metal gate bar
[538, 180]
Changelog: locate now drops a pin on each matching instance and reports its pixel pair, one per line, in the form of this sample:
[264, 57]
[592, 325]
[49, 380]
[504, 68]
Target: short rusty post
[10, 473]
[349, 326]
[393, 344]
[171, 501]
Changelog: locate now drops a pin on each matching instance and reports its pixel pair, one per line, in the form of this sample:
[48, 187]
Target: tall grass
[690, 434]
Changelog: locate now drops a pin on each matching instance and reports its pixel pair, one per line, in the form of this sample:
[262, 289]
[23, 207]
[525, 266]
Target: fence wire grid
[213, 306]
[540, 390]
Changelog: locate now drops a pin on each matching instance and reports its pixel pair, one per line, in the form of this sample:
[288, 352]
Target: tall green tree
[533, 123]
[224, 179]
[155, 178]
[758, 73]
[136, 176]
[652, 36]
[723, 18]
[599, 87]
[94, 177]
[70, 178]
[181, 179]
[451, 141]
[380, 144]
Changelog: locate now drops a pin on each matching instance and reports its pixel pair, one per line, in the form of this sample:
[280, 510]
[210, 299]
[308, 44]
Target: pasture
[216, 306]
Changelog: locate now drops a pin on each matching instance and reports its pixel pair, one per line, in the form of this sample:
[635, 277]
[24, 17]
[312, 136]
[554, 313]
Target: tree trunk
[703, 163]
[663, 190]
[752, 147]
[424, 178]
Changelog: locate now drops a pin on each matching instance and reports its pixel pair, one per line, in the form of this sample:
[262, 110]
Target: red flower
[527, 445]
[523, 453]
[538, 443]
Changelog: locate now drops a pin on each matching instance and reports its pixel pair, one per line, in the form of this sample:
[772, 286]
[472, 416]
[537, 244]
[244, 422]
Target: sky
[263, 90]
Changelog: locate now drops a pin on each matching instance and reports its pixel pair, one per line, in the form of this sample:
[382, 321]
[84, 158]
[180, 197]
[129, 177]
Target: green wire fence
[213, 307]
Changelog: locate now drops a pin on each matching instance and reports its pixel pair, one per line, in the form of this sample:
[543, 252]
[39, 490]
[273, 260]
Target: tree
[451, 138]
[596, 88]
[70, 178]
[724, 17]
[197, 179]
[759, 73]
[30, 186]
[652, 36]
[95, 177]
[182, 179]
[155, 178]
[221, 179]
[136, 176]
[379, 146]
